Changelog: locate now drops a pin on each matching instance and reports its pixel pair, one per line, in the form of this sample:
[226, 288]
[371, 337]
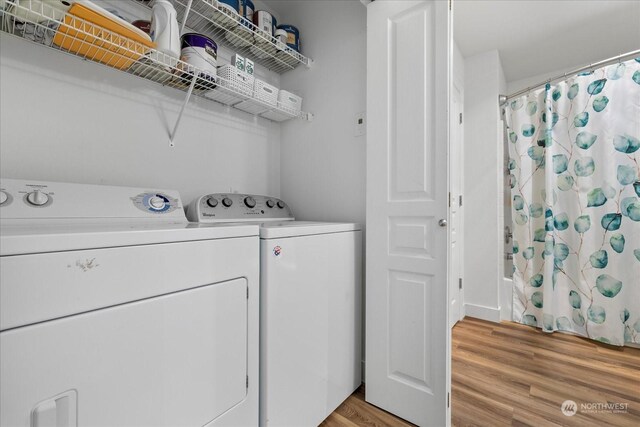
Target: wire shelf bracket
[184, 106]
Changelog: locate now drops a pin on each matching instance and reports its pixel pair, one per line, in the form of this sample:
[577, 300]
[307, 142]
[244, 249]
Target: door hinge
[460, 200]
[247, 381]
[460, 283]
[449, 199]
[448, 400]
[460, 118]
[247, 293]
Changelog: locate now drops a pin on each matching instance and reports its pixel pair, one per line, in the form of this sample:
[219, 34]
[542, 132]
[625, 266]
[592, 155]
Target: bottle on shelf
[164, 28]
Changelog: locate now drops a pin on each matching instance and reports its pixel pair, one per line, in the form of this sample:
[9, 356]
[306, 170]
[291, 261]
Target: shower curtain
[574, 164]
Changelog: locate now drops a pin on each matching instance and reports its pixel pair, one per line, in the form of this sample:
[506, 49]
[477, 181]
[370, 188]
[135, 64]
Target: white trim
[491, 314]
[506, 299]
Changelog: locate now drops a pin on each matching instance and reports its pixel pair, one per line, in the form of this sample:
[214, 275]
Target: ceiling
[539, 36]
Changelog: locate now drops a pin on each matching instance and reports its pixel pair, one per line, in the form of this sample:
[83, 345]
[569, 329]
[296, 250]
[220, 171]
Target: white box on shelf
[235, 79]
[239, 62]
[290, 100]
[234, 86]
[248, 66]
[265, 92]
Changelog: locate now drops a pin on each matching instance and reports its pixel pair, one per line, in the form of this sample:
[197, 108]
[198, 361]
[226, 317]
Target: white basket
[265, 92]
[290, 100]
[235, 79]
[234, 86]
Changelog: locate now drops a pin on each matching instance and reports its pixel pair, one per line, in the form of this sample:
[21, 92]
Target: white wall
[323, 165]
[483, 201]
[322, 162]
[66, 119]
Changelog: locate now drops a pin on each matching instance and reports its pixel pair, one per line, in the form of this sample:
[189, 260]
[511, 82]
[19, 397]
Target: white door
[456, 212]
[407, 330]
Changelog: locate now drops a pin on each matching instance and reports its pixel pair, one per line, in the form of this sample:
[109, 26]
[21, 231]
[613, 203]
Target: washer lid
[271, 230]
[28, 236]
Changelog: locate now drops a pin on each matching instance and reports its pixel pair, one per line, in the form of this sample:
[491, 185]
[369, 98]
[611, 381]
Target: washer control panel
[155, 202]
[22, 199]
[229, 207]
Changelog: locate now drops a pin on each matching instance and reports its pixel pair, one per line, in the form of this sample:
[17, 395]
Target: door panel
[407, 334]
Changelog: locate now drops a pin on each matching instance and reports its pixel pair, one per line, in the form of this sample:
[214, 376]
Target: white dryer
[115, 311]
[310, 306]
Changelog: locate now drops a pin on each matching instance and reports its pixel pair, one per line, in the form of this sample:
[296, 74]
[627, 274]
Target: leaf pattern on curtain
[574, 159]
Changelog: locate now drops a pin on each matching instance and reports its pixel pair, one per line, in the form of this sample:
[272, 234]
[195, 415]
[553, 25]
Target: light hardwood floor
[509, 374]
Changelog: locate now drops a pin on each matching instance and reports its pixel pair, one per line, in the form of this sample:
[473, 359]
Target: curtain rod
[634, 54]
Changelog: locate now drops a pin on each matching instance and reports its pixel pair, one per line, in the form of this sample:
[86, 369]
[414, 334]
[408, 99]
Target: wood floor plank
[508, 374]
[337, 420]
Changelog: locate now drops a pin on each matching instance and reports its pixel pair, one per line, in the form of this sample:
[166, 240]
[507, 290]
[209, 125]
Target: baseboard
[491, 314]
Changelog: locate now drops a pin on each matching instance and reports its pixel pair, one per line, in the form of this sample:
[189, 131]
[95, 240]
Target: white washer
[310, 307]
[115, 311]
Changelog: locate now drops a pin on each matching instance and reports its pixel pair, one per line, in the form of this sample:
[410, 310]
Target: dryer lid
[272, 230]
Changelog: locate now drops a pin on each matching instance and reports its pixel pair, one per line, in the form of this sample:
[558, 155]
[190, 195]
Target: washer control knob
[270, 203]
[250, 202]
[37, 198]
[157, 202]
[212, 202]
[3, 197]
[280, 204]
[227, 202]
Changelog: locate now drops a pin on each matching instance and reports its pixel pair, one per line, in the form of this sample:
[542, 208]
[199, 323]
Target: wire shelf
[236, 32]
[39, 23]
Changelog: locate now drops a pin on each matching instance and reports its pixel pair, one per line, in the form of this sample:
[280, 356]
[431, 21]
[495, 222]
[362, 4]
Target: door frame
[457, 92]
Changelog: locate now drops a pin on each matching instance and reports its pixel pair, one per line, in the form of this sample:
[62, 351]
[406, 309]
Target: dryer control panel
[22, 199]
[232, 207]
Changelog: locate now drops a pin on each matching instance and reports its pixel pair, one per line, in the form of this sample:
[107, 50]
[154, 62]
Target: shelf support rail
[172, 137]
[186, 15]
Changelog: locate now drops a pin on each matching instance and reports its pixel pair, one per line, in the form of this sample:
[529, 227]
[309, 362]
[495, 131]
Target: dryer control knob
[270, 203]
[3, 197]
[281, 204]
[212, 202]
[227, 202]
[156, 202]
[250, 202]
[37, 198]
